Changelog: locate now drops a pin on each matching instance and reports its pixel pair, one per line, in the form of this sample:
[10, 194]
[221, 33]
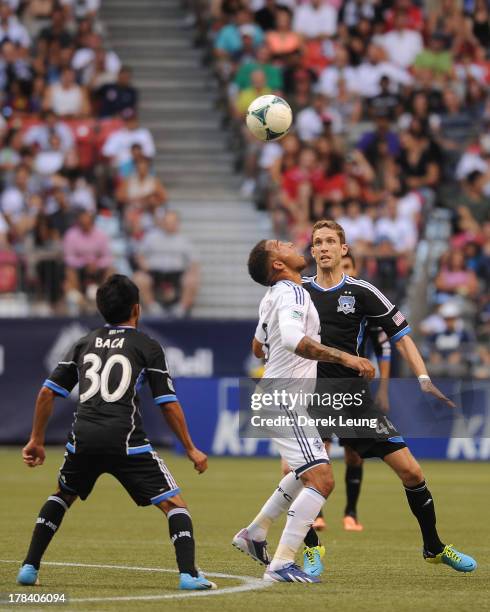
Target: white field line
[250, 583]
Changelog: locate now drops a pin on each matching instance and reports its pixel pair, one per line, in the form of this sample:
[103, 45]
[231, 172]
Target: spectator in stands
[115, 98]
[402, 44]
[419, 158]
[168, 270]
[375, 143]
[339, 70]
[16, 203]
[358, 227]
[88, 262]
[455, 278]
[473, 206]
[266, 16]
[81, 9]
[229, 41]
[51, 160]
[450, 349]
[299, 185]
[317, 119]
[85, 60]
[142, 190]
[398, 231]
[273, 73]
[435, 61]
[11, 29]
[117, 147]
[282, 40]
[10, 146]
[57, 31]
[39, 134]
[315, 19]
[66, 98]
[456, 123]
[373, 68]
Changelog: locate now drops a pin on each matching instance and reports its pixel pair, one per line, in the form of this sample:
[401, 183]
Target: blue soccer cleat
[28, 575]
[257, 550]
[452, 557]
[312, 560]
[198, 583]
[290, 573]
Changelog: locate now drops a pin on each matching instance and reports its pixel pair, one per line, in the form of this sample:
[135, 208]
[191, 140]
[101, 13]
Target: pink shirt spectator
[85, 248]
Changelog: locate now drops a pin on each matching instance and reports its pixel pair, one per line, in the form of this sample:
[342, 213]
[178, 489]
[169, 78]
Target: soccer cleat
[312, 560]
[319, 524]
[198, 583]
[252, 548]
[452, 557]
[352, 524]
[28, 576]
[290, 573]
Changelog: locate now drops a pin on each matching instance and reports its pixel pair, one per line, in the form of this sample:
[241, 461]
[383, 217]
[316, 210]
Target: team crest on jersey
[346, 304]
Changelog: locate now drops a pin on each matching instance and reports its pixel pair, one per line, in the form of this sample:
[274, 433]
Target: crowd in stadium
[391, 120]
[78, 195]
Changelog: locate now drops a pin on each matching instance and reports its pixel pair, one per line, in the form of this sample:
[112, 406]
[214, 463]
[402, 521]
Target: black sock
[311, 538]
[47, 524]
[422, 505]
[181, 534]
[353, 480]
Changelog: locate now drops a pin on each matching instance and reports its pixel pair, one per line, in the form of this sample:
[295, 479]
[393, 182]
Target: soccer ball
[269, 118]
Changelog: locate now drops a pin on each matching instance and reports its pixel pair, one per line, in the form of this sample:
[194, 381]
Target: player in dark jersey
[111, 364]
[374, 338]
[345, 306]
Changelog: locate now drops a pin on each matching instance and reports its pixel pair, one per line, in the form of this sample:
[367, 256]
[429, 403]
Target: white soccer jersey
[286, 315]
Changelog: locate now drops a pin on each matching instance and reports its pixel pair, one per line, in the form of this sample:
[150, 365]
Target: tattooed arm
[310, 349]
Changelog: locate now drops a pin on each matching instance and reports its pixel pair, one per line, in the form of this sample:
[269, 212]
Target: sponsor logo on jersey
[346, 304]
[296, 314]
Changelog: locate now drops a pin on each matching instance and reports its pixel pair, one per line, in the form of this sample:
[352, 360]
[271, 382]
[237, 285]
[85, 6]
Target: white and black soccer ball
[269, 118]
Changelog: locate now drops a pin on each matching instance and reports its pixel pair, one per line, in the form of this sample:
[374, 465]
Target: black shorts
[144, 476]
[371, 447]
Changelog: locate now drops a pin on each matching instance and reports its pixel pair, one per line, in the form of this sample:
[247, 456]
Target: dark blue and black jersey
[111, 364]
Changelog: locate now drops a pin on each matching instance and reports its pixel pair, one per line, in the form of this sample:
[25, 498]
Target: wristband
[423, 377]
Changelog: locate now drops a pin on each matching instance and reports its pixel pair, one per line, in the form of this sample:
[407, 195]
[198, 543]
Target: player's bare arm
[257, 349]
[310, 349]
[33, 452]
[408, 350]
[174, 415]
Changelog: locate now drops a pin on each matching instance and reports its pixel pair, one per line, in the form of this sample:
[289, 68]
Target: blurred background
[123, 149]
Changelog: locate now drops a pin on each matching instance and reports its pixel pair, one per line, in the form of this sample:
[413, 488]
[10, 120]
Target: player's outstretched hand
[199, 459]
[33, 454]
[363, 366]
[428, 386]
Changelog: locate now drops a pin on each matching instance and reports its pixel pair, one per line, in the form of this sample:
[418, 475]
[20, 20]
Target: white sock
[278, 502]
[301, 515]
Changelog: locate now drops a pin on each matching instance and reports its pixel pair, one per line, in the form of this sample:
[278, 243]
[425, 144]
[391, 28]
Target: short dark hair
[116, 298]
[258, 263]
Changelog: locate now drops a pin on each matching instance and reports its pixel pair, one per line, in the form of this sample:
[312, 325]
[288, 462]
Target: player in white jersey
[287, 338]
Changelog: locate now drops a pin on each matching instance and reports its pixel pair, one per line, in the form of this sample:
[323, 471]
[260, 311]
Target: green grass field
[379, 569]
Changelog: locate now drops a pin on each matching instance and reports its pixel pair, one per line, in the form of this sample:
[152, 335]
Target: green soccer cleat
[312, 560]
[452, 557]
